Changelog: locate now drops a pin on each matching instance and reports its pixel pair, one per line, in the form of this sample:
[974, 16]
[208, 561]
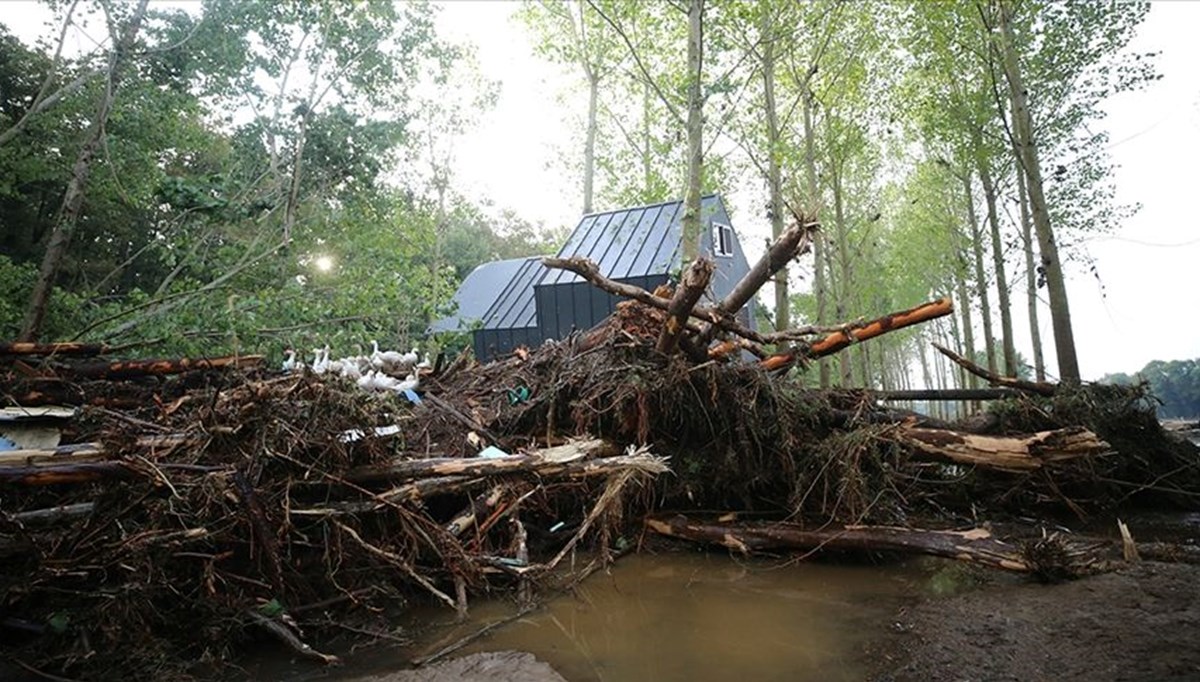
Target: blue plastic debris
[412, 396]
[492, 452]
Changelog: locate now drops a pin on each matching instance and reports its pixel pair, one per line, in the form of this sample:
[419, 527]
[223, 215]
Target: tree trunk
[981, 288]
[691, 287]
[783, 316]
[1035, 332]
[989, 194]
[810, 164]
[968, 329]
[1060, 310]
[691, 222]
[842, 290]
[68, 217]
[589, 145]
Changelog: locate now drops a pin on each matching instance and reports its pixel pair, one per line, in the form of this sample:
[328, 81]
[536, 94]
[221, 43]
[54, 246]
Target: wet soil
[1141, 623]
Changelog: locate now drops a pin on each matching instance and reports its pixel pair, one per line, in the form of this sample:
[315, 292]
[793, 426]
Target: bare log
[81, 472]
[850, 334]
[1038, 387]
[542, 461]
[140, 368]
[1015, 454]
[691, 287]
[61, 348]
[976, 545]
[52, 514]
[75, 453]
[948, 394]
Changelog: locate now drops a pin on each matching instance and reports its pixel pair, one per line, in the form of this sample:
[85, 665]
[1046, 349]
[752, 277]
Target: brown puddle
[696, 617]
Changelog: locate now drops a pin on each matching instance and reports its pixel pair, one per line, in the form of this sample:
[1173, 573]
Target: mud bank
[1141, 623]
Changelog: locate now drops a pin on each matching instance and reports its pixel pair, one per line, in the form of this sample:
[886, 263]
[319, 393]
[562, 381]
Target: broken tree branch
[1038, 387]
[691, 287]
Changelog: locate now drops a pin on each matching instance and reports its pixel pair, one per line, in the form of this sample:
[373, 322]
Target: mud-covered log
[691, 287]
[128, 369]
[545, 460]
[60, 348]
[1037, 387]
[976, 545]
[1015, 454]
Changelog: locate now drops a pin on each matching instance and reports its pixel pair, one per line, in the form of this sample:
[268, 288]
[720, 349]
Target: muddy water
[699, 617]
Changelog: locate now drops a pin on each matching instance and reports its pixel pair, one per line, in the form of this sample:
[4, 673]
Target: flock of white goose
[379, 371]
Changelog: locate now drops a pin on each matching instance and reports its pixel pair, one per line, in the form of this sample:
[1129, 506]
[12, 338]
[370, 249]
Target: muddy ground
[1141, 623]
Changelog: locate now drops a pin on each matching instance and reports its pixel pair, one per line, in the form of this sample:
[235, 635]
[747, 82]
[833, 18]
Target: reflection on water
[709, 617]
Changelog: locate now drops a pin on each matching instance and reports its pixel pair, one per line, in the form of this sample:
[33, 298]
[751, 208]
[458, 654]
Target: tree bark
[68, 218]
[981, 287]
[691, 222]
[1060, 309]
[589, 144]
[989, 193]
[1035, 331]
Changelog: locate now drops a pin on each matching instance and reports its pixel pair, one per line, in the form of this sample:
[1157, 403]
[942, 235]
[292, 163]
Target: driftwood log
[1014, 454]
[976, 545]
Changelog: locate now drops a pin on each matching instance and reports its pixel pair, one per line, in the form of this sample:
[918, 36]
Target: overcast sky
[1147, 308]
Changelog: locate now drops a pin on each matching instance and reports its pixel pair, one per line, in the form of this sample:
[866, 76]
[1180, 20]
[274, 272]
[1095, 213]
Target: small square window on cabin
[722, 239]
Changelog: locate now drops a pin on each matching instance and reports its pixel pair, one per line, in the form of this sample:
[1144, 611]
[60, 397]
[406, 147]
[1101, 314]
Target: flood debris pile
[195, 506]
[232, 505]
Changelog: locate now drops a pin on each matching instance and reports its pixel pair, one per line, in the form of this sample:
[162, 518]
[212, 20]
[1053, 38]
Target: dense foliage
[1176, 384]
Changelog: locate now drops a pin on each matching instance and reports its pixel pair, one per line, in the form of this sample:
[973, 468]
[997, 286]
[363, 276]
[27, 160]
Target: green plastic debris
[271, 609]
[58, 623]
[518, 395]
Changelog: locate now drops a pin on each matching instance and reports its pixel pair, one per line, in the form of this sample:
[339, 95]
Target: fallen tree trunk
[425, 488]
[976, 545]
[80, 472]
[141, 368]
[1014, 454]
[1039, 388]
[61, 348]
[949, 394]
[480, 466]
[850, 334]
